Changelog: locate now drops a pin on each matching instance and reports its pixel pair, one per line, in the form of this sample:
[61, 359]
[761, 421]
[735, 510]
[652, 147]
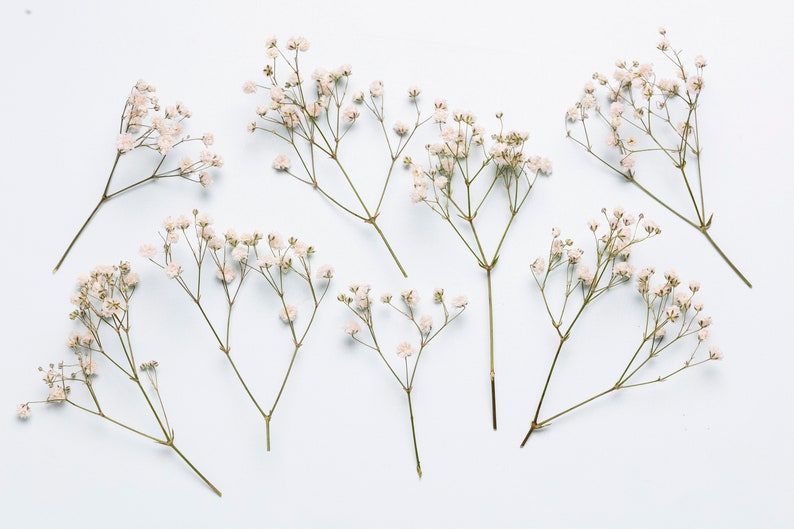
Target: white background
[709, 448]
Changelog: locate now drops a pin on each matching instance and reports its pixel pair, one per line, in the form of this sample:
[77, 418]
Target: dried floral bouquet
[139, 130]
[231, 260]
[568, 287]
[645, 114]
[103, 311]
[314, 118]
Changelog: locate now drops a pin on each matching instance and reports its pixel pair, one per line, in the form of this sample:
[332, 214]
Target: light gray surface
[710, 448]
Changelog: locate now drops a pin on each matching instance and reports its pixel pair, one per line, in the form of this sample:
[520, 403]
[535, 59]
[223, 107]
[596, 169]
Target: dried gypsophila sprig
[162, 134]
[672, 317]
[314, 118]
[103, 310]
[232, 259]
[650, 115]
[464, 173]
[359, 301]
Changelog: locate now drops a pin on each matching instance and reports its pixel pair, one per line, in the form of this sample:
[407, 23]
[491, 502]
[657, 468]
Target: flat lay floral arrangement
[640, 123]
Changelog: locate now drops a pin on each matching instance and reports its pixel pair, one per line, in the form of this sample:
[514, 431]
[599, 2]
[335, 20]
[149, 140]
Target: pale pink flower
[700, 61]
[715, 353]
[352, 328]
[694, 84]
[362, 296]
[585, 275]
[411, 297]
[460, 302]
[426, 324]
[23, 411]
[325, 272]
[205, 179]
[376, 88]
[208, 139]
[350, 113]
[703, 334]
[57, 394]
[414, 91]
[164, 144]
[111, 307]
[277, 94]
[281, 163]
[173, 269]
[148, 251]
[538, 266]
[226, 274]
[89, 366]
[622, 269]
[240, 252]
[400, 128]
[627, 162]
[125, 142]
[574, 255]
[573, 113]
[249, 87]
[131, 279]
[405, 349]
[440, 182]
[298, 43]
[288, 314]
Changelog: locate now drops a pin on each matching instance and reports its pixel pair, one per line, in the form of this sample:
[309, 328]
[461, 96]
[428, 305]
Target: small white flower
[23, 411]
[125, 142]
[460, 302]
[352, 328]
[288, 314]
[240, 253]
[575, 255]
[376, 88]
[89, 366]
[325, 272]
[585, 275]
[411, 297]
[405, 349]
[715, 353]
[57, 394]
[281, 163]
[538, 266]
[249, 87]
[426, 324]
[226, 274]
[400, 128]
[173, 269]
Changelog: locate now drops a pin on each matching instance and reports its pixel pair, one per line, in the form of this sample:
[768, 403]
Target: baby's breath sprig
[233, 259]
[103, 310]
[672, 317]
[160, 134]
[649, 115]
[359, 301]
[314, 117]
[463, 175]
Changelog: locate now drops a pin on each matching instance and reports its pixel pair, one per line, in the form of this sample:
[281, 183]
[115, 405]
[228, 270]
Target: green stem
[413, 431]
[388, 246]
[537, 425]
[491, 341]
[725, 257]
[79, 232]
[199, 474]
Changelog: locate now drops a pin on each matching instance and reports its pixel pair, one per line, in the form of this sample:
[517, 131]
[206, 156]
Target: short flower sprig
[672, 317]
[463, 174]
[643, 115]
[232, 259]
[359, 301]
[161, 134]
[314, 117]
[103, 311]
